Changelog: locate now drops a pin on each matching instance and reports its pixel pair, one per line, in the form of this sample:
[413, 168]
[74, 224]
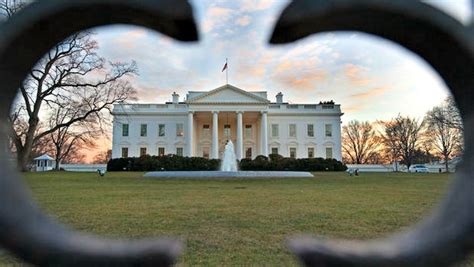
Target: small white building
[201, 125]
[44, 163]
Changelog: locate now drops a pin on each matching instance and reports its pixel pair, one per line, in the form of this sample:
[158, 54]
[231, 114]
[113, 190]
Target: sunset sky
[370, 77]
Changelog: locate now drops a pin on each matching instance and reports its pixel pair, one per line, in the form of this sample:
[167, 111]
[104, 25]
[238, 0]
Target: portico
[214, 128]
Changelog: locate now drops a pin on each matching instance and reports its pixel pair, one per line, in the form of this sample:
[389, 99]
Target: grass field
[237, 222]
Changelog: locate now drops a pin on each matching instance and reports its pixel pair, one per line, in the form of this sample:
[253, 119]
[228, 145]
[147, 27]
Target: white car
[418, 168]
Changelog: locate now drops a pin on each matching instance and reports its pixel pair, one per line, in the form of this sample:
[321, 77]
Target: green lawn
[237, 222]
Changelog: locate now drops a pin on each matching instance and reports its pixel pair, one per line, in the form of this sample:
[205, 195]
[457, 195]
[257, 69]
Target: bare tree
[103, 157]
[74, 157]
[401, 137]
[9, 7]
[67, 141]
[391, 148]
[453, 116]
[359, 142]
[426, 146]
[444, 135]
[66, 145]
[70, 77]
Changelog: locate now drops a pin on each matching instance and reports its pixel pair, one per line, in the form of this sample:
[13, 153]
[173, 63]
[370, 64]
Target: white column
[264, 134]
[190, 134]
[240, 136]
[215, 134]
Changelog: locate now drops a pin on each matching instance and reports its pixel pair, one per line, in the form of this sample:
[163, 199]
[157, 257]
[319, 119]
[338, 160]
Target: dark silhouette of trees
[9, 7]
[71, 79]
[360, 142]
[401, 138]
[103, 157]
[444, 129]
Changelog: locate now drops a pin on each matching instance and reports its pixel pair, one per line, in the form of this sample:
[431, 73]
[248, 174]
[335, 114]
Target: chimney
[279, 98]
[175, 98]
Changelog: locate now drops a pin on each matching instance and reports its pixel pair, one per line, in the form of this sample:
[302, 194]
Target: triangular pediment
[227, 94]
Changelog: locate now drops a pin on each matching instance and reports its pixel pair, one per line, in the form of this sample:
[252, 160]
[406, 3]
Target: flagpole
[226, 72]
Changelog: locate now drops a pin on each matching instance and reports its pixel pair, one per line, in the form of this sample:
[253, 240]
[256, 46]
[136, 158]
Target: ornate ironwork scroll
[25, 38]
[447, 235]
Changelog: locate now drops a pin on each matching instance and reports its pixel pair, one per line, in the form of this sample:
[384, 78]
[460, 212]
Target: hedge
[163, 163]
[261, 163]
[279, 163]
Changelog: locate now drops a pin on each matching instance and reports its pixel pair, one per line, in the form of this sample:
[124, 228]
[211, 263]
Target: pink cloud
[130, 39]
[303, 81]
[215, 15]
[371, 92]
[243, 21]
[256, 5]
[357, 74]
[353, 108]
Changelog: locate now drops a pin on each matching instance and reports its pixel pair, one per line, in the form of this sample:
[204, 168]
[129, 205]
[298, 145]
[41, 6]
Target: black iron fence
[443, 238]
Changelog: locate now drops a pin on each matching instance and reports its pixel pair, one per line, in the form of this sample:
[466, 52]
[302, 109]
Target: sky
[372, 78]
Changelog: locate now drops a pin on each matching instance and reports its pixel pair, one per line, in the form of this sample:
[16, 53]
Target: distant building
[201, 125]
[43, 163]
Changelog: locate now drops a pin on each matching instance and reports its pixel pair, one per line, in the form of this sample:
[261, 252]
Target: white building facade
[201, 125]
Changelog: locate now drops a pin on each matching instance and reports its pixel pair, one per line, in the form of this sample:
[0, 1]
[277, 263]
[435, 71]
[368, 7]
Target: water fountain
[229, 169]
[229, 162]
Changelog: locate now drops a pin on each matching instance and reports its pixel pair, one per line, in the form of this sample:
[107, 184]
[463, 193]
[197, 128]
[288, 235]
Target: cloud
[371, 93]
[284, 67]
[353, 108]
[301, 73]
[130, 39]
[243, 21]
[219, 11]
[136, 33]
[357, 74]
[254, 71]
[308, 50]
[215, 16]
[256, 5]
[353, 69]
[302, 81]
[149, 94]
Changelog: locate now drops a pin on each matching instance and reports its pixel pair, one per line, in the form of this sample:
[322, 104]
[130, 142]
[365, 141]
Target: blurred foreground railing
[445, 237]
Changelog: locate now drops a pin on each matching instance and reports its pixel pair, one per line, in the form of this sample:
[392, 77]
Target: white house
[201, 125]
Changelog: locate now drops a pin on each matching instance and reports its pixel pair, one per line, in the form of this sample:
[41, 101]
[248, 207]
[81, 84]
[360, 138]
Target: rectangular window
[161, 130]
[124, 152]
[310, 152]
[161, 151]
[275, 132]
[205, 152]
[248, 131]
[179, 151]
[142, 151]
[143, 130]
[293, 152]
[227, 134]
[179, 129]
[206, 130]
[248, 153]
[328, 130]
[310, 130]
[275, 150]
[329, 152]
[124, 129]
[292, 130]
